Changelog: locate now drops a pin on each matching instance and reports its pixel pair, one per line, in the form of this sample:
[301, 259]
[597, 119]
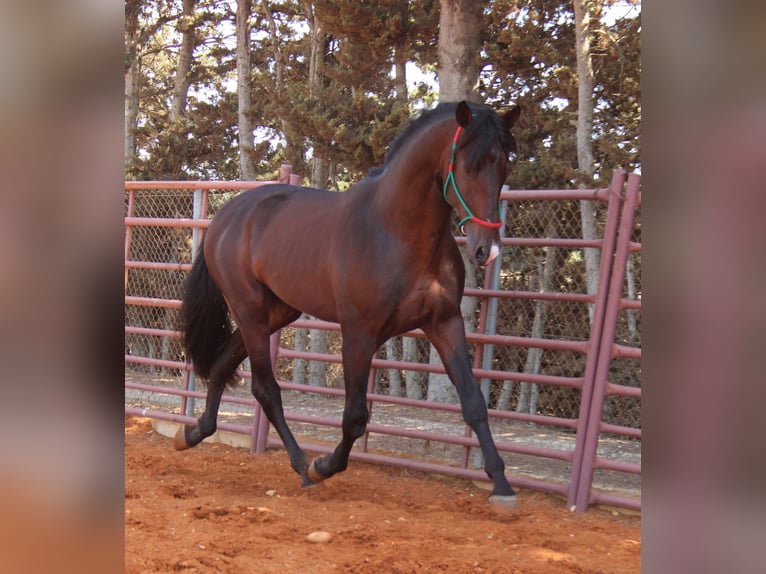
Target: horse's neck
[408, 195]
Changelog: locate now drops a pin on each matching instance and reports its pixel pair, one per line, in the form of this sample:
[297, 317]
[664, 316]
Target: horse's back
[280, 236]
[276, 210]
[266, 201]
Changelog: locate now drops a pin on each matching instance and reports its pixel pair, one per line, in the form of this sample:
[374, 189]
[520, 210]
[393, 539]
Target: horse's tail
[204, 317]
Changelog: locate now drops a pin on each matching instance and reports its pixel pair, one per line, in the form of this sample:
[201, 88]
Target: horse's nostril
[481, 255]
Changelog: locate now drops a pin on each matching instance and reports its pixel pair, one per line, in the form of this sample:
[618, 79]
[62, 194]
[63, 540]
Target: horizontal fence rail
[559, 366]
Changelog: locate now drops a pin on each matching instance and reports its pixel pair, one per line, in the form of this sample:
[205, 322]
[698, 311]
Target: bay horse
[379, 259]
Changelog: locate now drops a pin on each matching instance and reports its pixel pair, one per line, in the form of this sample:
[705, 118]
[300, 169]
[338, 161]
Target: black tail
[204, 317]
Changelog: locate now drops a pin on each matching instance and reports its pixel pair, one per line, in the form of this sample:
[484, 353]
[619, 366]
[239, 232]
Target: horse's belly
[308, 292]
[316, 307]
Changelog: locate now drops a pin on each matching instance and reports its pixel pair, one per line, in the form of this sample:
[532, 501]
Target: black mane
[485, 132]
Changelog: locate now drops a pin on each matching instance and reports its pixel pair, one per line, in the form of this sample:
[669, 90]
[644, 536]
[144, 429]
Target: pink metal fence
[594, 385]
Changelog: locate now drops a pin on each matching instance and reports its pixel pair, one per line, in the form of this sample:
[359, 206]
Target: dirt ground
[216, 508]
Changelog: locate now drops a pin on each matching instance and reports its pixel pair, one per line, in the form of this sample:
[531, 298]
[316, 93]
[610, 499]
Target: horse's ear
[511, 116]
[463, 114]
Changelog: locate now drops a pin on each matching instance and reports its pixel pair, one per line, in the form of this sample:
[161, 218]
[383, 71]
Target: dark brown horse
[379, 259]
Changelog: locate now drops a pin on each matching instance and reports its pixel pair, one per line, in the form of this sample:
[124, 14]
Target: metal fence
[560, 368]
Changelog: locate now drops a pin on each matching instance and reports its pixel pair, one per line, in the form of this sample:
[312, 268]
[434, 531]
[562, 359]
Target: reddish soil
[215, 508]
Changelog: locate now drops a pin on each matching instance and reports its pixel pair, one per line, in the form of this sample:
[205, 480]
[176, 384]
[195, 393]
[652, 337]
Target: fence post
[589, 377]
[606, 344]
[362, 444]
[284, 173]
[187, 403]
[129, 232]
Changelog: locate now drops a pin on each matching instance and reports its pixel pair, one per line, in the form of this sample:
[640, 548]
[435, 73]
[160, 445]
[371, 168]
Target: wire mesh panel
[155, 259]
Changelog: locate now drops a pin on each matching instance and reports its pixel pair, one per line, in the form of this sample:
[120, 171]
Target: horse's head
[478, 166]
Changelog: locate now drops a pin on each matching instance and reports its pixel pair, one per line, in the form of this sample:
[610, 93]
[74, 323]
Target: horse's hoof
[503, 504]
[315, 476]
[308, 484]
[179, 442]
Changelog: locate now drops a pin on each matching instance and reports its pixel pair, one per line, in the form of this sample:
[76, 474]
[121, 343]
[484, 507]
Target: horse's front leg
[357, 358]
[448, 337]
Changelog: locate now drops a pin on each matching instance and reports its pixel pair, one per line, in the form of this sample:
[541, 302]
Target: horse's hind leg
[257, 328]
[231, 355]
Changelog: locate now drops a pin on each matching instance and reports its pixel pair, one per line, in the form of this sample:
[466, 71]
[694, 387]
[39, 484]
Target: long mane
[486, 131]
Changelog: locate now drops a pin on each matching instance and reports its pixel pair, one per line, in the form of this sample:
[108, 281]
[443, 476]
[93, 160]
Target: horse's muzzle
[484, 256]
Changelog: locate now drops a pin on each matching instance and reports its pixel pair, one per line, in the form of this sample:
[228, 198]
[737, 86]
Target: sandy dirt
[216, 508]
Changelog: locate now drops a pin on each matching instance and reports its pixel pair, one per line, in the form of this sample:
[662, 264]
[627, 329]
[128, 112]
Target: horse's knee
[257, 391]
[355, 422]
[474, 409]
[263, 393]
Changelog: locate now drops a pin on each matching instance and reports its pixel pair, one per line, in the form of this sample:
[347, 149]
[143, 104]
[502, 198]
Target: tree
[585, 162]
[272, 85]
[186, 122]
[132, 75]
[247, 169]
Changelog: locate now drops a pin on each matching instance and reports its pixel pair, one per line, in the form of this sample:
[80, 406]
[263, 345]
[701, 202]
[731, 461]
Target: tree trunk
[394, 375]
[319, 165]
[244, 93]
[293, 149]
[413, 380]
[318, 50]
[300, 344]
[317, 369]
[279, 60]
[585, 162]
[132, 76]
[317, 337]
[320, 172]
[460, 25]
[504, 400]
[400, 73]
[182, 80]
[319, 168]
[173, 161]
[528, 392]
[131, 113]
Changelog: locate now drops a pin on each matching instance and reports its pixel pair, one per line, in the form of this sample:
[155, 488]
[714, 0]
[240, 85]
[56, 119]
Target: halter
[451, 178]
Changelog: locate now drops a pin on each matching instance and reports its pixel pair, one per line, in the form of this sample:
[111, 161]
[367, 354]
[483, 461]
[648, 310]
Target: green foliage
[530, 60]
[355, 110]
[617, 68]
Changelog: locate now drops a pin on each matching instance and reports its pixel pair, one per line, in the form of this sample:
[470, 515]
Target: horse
[379, 259]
